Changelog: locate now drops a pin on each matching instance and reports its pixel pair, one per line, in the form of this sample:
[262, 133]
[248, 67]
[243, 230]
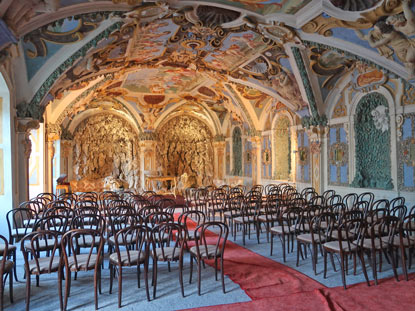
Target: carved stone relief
[106, 145]
[185, 146]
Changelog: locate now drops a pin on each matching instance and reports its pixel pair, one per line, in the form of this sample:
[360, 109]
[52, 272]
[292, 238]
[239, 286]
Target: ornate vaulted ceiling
[146, 60]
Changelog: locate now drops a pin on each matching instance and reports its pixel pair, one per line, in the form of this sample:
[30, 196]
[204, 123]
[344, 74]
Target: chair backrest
[366, 197]
[323, 225]
[157, 218]
[89, 221]
[88, 196]
[16, 223]
[334, 199]
[349, 200]
[383, 204]
[59, 210]
[149, 209]
[57, 223]
[119, 222]
[176, 208]
[70, 245]
[164, 203]
[205, 238]
[170, 238]
[398, 211]
[137, 238]
[327, 194]
[148, 193]
[37, 207]
[33, 243]
[87, 210]
[69, 197]
[193, 217]
[49, 197]
[351, 233]
[396, 202]
[258, 188]
[384, 230]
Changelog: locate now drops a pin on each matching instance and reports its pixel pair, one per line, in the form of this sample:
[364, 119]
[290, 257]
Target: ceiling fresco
[231, 57]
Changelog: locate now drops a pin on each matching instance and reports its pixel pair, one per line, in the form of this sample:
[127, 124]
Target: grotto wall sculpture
[372, 135]
[185, 146]
[106, 145]
[282, 152]
[237, 151]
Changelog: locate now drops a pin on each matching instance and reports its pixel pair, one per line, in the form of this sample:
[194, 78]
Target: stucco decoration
[373, 162]
[106, 145]
[282, 150]
[380, 118]
[338, 156]
[406, 154]
[354, 5]
[185, 146]
[237, 151]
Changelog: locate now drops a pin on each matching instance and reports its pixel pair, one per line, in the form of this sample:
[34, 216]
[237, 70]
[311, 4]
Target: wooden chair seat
[132, 257]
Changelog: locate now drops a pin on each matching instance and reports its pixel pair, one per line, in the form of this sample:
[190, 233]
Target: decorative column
[23, 126]
[53, 132]
[316, 135]
[219, 157]
[256, 159]
[66, 157]
[148, 163]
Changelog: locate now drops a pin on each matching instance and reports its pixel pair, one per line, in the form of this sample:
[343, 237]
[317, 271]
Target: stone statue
[405, 21]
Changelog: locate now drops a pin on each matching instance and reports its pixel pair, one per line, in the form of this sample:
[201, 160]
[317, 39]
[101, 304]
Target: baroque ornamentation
[41, 92]
[237, 151]
[354, 5]
[306, 82]
[406, 153]
[380, 118]
[282, 152]
[86, 23]
[53, 131]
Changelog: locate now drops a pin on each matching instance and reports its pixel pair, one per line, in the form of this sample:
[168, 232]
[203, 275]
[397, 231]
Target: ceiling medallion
[193, 44]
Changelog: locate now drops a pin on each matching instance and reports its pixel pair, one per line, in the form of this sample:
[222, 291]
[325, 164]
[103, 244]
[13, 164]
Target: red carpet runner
[273, 286]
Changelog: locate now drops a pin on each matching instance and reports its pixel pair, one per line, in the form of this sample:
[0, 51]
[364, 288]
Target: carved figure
[286, 85]
[405, 21]
[402, 46]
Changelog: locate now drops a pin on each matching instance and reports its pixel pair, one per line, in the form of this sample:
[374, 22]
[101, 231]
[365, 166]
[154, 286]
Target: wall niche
[106, 145]
[185, 146]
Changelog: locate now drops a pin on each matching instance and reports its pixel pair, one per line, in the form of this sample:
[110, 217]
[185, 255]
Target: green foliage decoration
[237, 151]
[373, 160]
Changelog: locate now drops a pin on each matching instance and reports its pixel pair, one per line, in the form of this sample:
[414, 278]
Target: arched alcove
[185, 146]
[372, 143]
[106, 145]
[282, 152]
[237, 151]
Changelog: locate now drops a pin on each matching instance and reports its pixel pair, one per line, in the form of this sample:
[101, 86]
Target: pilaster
[23, 126]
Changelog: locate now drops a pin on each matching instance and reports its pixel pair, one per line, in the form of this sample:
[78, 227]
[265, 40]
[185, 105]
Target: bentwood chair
[350, 234]
[131, 250]
[6, 267]
[209, 246]
[85, 261]
[168, 241]
[31, 246]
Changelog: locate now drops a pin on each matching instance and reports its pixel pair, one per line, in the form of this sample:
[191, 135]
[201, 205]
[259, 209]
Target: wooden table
[150, 179]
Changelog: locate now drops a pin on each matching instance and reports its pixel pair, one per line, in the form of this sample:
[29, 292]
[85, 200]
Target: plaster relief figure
[402, 46]
[286, 85]
[403, 22]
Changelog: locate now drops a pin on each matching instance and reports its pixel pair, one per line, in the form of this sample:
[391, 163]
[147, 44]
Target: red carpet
[273, 286]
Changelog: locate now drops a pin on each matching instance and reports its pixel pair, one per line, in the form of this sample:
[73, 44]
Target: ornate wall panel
[237, 151]
[303, 157]
[338, 157]
[106, 145]
[282, 152]
[266, 157]
[185, 146]
[372, 143]
[248, 158]
[406, 153]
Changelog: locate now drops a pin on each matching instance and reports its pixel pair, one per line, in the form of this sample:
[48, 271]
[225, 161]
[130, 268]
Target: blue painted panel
[343, 174]
[343, 136]
[270, 170]
[307, 173]
[333, 137]
[305, 140]
[407, 128]
[298, 173]
[333, 173]
[299, 140]
[408, 175]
